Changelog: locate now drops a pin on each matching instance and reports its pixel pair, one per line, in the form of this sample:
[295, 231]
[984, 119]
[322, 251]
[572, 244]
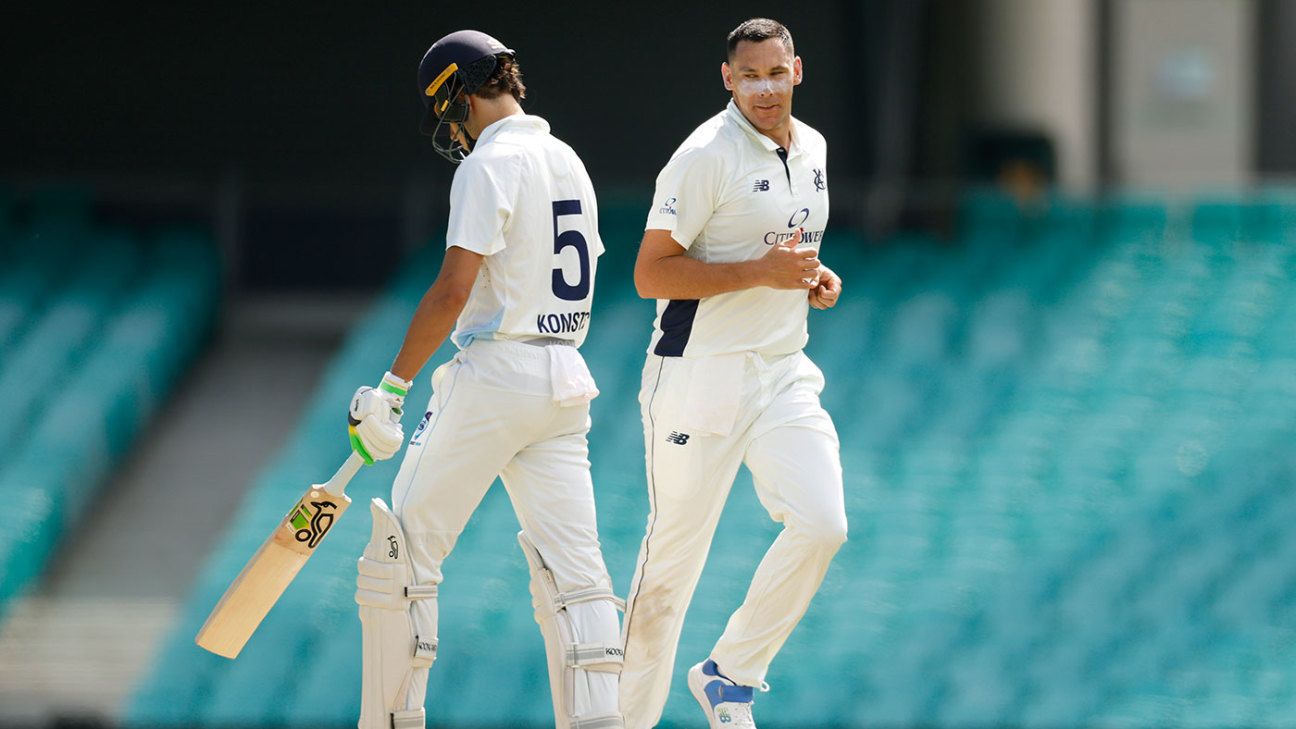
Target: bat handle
[337, 484]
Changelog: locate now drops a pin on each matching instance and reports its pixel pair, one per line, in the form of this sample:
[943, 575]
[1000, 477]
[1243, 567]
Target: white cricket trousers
[492, 413]
[702, 418]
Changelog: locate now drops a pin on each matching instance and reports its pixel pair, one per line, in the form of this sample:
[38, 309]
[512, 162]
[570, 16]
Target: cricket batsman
[515, 285]
[730, 251]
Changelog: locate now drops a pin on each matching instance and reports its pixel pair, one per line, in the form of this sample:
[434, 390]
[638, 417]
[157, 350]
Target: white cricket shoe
[727, 705]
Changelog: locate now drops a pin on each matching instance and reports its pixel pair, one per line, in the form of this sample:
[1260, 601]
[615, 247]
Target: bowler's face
[761, 76]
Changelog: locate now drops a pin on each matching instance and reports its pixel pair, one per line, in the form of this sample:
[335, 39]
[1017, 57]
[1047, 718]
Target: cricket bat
[264, 578]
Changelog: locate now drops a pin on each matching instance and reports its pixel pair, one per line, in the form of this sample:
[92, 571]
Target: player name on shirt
[524, 201]
[565, 323]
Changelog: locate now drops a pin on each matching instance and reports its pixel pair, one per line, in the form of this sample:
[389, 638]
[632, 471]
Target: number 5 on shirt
[570, 239]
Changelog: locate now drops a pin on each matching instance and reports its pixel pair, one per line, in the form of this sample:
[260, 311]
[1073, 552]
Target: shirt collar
[518, 122]
[736, 116]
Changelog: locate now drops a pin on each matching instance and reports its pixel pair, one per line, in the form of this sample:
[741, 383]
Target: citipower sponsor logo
[775, 237]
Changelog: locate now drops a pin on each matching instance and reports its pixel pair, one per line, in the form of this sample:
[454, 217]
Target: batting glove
[373, 422]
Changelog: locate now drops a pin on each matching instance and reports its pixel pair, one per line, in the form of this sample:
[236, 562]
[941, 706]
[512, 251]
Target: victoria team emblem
[819, 183]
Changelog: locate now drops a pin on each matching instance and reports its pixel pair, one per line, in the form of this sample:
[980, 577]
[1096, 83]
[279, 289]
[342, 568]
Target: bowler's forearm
[681, 277]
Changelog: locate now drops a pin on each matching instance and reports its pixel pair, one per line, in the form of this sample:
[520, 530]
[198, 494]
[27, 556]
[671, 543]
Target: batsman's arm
[662, 271]
[436, 314]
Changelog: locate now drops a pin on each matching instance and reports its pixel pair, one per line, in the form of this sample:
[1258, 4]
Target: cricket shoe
[727, 705]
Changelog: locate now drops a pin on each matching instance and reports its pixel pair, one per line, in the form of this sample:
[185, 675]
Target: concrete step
[75, 659]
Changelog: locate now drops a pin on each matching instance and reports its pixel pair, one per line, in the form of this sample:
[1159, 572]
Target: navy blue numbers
[570, 239]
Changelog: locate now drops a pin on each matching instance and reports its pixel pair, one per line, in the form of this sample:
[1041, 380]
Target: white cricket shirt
[523, 200]
[727, 195]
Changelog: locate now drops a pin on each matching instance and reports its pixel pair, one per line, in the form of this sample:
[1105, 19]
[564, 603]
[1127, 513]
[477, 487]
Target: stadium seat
[1066, 437]
[74, 370]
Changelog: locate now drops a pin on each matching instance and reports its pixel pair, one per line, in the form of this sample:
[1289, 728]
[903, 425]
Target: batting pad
[398, 620]
[583, 645]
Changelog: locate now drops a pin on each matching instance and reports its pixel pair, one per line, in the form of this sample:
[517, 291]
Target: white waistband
[528, 348]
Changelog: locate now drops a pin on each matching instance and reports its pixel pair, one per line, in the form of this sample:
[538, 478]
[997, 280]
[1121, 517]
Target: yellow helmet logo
[440, 79]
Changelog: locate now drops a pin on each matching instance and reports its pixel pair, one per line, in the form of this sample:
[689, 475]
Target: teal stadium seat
[76, 371]
[1066, 436]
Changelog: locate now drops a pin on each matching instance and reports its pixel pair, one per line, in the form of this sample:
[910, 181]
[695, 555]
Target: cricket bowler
[730, 251]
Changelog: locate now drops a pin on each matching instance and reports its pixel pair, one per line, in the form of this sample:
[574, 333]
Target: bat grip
[337, 484]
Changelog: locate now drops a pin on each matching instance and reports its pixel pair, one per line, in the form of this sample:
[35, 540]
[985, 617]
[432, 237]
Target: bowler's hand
[787, 266]
[826, 293]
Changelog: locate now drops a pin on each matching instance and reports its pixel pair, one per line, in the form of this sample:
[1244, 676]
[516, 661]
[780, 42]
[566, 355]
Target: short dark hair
[506, 79]
[757, 30]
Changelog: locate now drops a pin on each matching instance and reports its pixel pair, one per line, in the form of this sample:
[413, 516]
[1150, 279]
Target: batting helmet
[455, 66]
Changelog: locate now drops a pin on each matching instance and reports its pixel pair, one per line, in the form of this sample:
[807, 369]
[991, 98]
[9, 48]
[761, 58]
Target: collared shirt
[727, 195]
[523, 200]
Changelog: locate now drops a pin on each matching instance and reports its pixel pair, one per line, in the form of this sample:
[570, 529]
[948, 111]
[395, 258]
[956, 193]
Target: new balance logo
[677, 438]
[761, 186]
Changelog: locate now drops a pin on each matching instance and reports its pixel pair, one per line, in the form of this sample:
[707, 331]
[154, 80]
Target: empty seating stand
[1066, 436]
[95, 326]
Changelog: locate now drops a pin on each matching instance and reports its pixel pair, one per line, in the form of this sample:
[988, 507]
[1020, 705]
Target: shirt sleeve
[480, 205]
[687, 194]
